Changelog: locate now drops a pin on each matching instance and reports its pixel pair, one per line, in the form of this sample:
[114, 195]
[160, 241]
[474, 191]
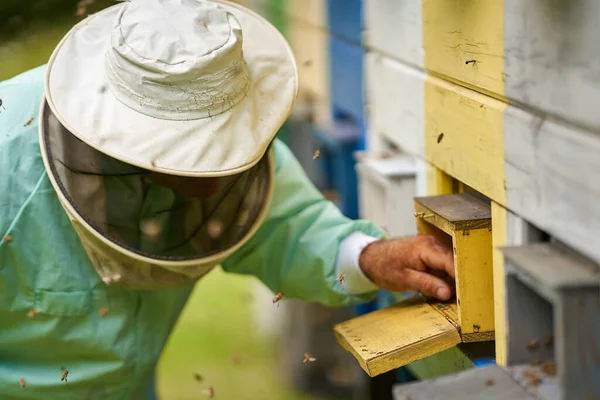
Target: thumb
[427, 284]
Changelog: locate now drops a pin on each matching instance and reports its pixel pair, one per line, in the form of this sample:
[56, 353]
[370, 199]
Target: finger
[438, 257]
[429, 285]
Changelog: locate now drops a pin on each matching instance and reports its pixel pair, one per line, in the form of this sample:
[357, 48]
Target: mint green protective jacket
[43, 266]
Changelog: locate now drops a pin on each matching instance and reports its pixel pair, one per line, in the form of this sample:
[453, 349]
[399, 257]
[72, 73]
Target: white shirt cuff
[355, 281]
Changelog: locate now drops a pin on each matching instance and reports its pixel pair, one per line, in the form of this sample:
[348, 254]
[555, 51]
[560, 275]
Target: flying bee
[103, 311]
[64, 376]
[277, 298]
[112, 279]
[82, 7]
[308, 358]
[32, 313]
[340, 278]
[210, 392]
[317, 154]
[22, 382]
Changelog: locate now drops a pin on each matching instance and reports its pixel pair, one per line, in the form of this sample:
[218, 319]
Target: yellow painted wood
[311, 11]
[438, 182]
[474, 280]
[499, 240]
[311, 50]
[471, 240]
[396, 336]
[464, 136]
[458, 31]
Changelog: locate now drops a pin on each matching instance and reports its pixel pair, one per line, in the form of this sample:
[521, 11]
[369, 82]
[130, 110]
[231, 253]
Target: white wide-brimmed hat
[182, 87]
[192, 88]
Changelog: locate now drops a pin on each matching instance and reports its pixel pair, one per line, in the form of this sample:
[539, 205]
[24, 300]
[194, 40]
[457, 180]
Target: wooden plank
[552, 59]
[474, 281]
[489, 383]
[450, 311]
[450, 227]
[546, 266]
[529, 324]
[313, 12]
[311, 50]
[464, 136]
[538, 383]
[466, 220]
[552, 171]
[499, 217]
[457, 32]
[438, 182]
[394, 27]
[458, 208]
[578, 343]
[396, 336]
[386, 191]
[393, 115]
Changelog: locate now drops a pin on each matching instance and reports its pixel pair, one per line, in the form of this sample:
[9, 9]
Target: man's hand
[418, 263]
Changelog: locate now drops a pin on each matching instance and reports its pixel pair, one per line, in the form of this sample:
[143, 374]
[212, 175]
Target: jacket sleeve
[296, 248]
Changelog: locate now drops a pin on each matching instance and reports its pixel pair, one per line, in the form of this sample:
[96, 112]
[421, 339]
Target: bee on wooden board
[277, 298]
[533, 344]
[308, 358]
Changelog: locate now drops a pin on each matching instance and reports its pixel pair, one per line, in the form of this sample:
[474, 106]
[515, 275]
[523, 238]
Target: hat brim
[77, 91]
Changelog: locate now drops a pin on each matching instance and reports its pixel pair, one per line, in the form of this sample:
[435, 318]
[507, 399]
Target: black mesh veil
[120, 201]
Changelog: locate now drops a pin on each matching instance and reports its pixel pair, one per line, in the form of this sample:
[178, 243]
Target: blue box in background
[345, 19]
[337, 162]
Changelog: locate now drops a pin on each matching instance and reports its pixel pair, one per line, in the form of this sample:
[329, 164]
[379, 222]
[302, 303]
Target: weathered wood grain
[489, 383]
[529, 323]
[386, 191]
[553, 178]
[548, 267]
[458, 208]
[578, 343]
[464, 136]
[396, 336]
[536, 382]
[455, 33]
[465, 220]
[474, 281]
[395, 104]
[552, 57]
[394, 28]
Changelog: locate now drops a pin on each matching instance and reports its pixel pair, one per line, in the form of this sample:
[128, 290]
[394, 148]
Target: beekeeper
[139, 158]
